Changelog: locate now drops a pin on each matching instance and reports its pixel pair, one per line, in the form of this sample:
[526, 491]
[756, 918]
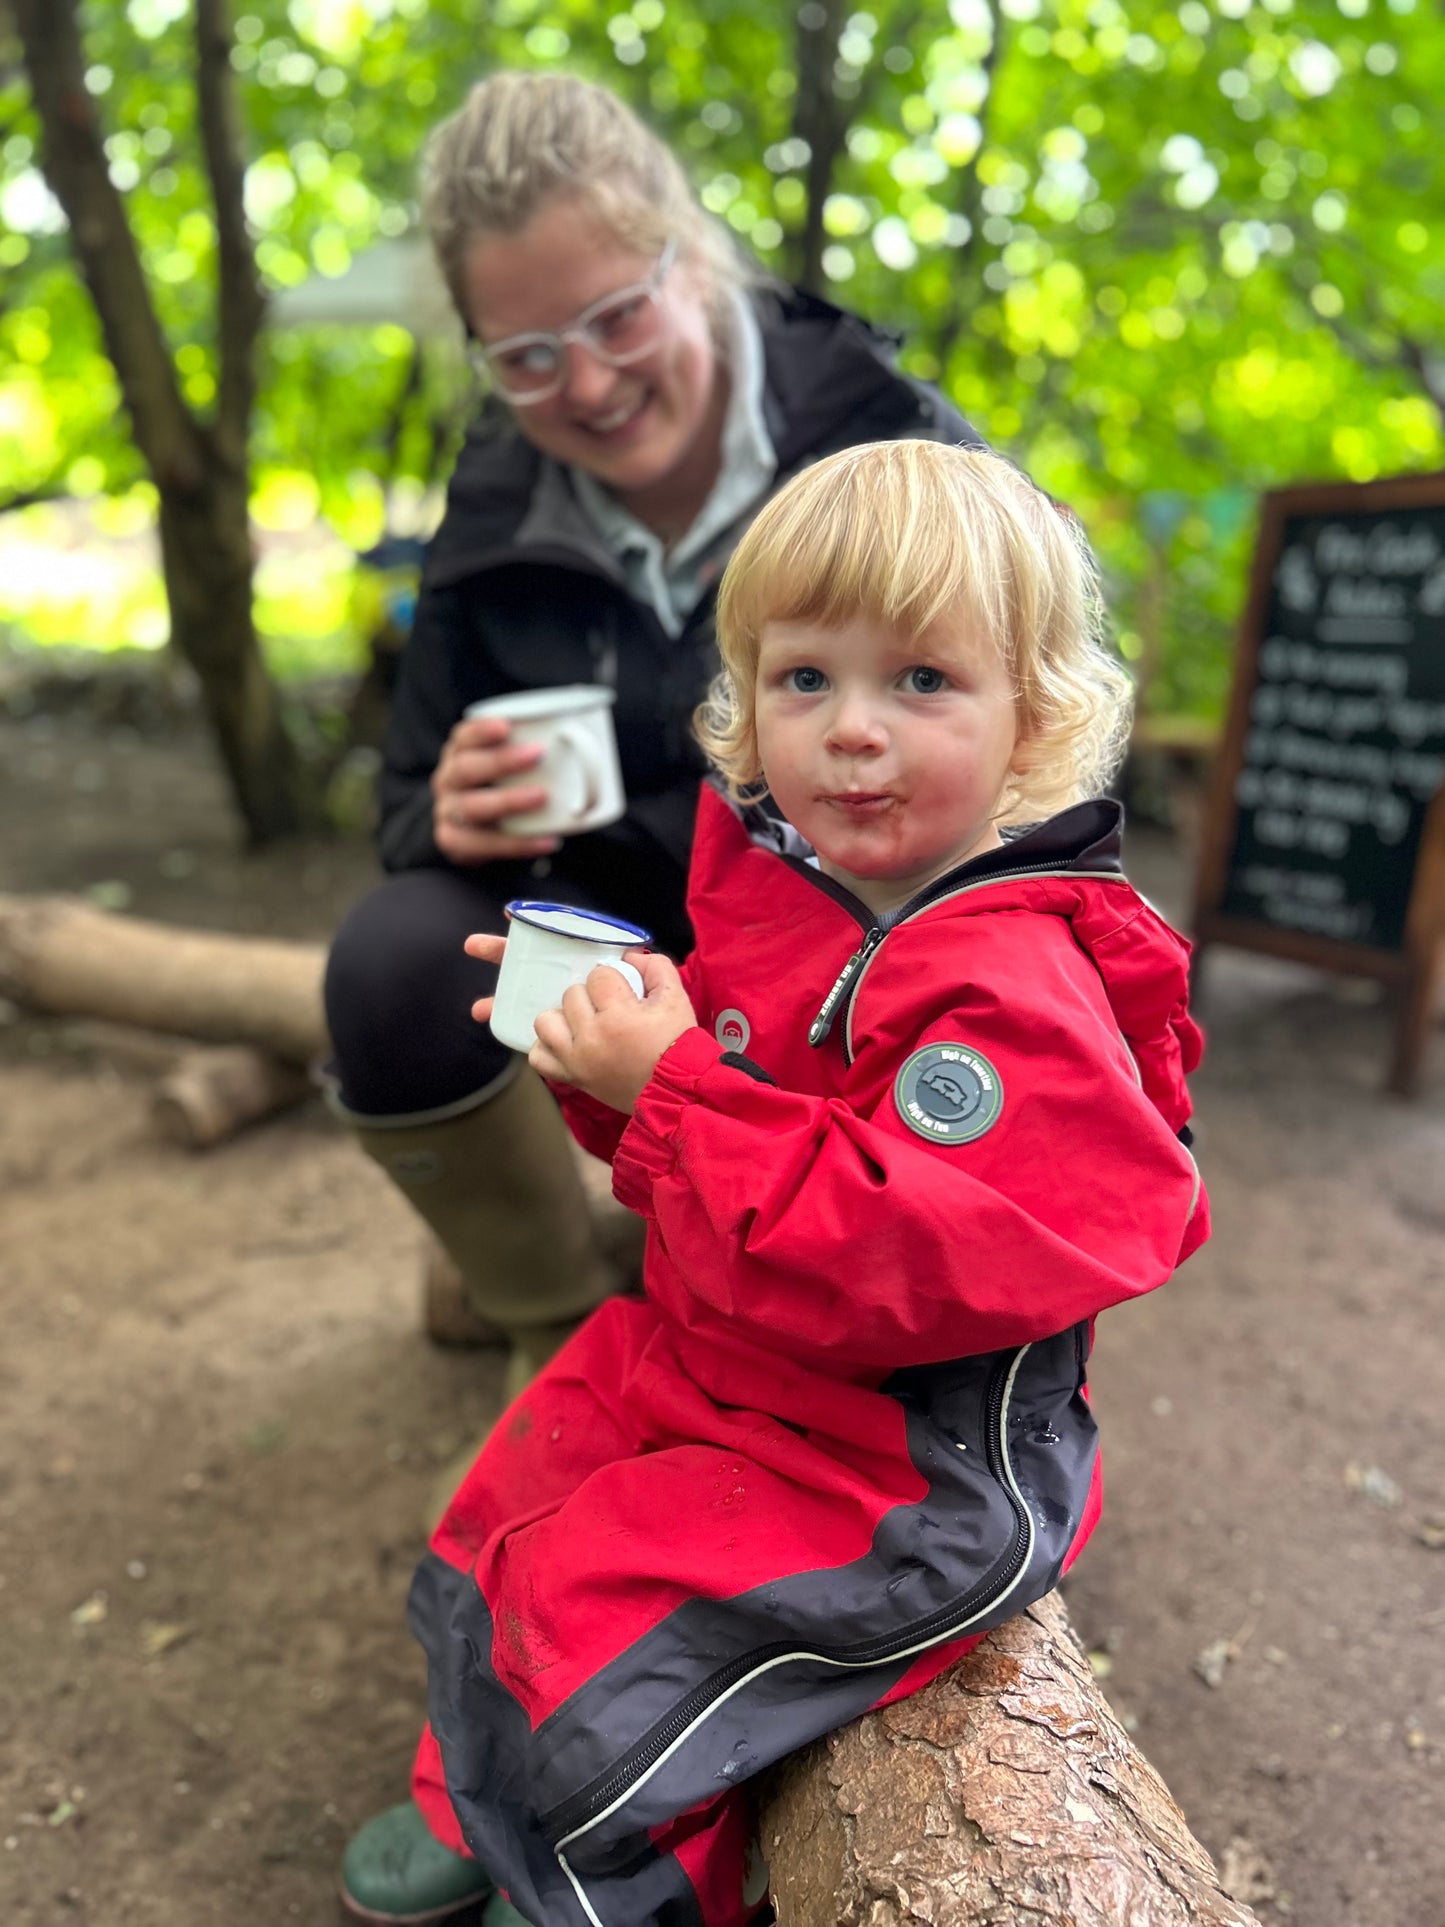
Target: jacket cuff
[648, 1147]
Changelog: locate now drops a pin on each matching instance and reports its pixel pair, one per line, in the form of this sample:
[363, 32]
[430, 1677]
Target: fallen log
[67, 959]
[210, 1095]
[1005, 1794]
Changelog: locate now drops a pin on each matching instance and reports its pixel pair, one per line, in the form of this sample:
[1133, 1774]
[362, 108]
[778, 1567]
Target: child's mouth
[858, 804]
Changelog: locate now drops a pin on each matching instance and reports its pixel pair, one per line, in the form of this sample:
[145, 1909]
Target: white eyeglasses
[618, 329]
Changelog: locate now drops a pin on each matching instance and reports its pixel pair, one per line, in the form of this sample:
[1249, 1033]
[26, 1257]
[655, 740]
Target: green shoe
[501, 1913]
[396, 1873]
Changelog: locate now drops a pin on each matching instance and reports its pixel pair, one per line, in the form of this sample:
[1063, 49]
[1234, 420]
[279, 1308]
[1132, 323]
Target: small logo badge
[411, 1168]
[733, 1029]
[948, 1093]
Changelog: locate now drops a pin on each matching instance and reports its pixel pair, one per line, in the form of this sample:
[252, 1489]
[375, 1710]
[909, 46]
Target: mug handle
[579, 757]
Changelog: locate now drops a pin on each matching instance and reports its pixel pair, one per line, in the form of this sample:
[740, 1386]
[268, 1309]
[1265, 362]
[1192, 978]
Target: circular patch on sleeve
[733, 1029]
[948, 1093]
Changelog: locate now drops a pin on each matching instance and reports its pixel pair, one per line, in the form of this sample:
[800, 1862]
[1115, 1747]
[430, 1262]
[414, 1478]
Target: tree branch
[970, 206]
[240, 302]
[75, 166]
[28, 498]
[1428, 370]
[818, 122]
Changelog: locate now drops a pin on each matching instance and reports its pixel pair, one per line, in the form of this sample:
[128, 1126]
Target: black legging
[399, 986]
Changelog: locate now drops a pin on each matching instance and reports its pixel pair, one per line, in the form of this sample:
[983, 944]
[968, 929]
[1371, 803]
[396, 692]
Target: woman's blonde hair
[519, 139]
[908, 533]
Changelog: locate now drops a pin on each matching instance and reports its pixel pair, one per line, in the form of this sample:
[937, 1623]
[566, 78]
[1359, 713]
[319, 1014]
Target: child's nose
[856, 728]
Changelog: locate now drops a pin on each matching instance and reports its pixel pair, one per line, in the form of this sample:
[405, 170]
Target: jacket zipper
[840, 997]
[584, 1810]
[821, 1025]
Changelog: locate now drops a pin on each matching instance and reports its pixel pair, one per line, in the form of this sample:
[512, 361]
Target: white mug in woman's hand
[550, 947]
[580, 770]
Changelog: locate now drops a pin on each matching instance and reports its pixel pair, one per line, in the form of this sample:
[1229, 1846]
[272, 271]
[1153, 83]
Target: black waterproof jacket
[519, 591]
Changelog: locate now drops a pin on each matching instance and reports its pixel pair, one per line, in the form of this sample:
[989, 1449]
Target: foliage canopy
[1166, 255]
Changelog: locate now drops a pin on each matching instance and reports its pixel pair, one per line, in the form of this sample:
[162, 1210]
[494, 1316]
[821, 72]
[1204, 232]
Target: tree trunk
[70, 960]
[206, 556]
[199, 467]
[1005, 1794]
[819, 120]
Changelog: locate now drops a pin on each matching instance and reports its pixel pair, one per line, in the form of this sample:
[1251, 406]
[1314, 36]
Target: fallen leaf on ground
[1373, 1483]
[1245, 1874]
[1210, 1664]
[91, 1611]
[156, 1637]
[1431, 1532]
[1100, 1665]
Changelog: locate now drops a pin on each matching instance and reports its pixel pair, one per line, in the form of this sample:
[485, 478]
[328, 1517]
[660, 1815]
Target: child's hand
[488, 950]
[604, 1040]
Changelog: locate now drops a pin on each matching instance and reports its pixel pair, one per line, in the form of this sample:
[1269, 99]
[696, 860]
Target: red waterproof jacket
[890, 1179]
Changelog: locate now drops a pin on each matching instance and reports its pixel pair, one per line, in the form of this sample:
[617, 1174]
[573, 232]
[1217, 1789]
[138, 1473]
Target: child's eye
[806, 681]
[924, 681]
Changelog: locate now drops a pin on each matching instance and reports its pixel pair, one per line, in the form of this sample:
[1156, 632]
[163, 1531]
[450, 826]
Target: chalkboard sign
[1324, 834]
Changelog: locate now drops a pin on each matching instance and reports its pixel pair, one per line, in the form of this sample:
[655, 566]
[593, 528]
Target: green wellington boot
[498, 1184]
[396, 1873]
[501, 1913]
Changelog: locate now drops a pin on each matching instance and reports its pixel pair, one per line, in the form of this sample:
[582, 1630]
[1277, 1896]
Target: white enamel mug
[580, 770]
[550, 947]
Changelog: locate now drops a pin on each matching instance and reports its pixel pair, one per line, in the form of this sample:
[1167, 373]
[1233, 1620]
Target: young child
[911, 1115]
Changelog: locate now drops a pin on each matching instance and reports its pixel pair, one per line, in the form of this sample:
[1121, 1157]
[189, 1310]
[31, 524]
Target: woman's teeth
[605, 424]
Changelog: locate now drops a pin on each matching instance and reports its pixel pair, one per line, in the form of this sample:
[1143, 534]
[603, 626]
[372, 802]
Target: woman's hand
[468, 806]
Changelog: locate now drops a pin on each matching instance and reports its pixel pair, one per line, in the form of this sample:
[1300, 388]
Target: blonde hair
[907, 533]
[519, 139]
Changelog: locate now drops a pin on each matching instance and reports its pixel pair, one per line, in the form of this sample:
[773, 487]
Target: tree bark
[200, 469]
[213, 1094]
[820, 120]
[69, 960]
[206, 554]
[1005, 1794]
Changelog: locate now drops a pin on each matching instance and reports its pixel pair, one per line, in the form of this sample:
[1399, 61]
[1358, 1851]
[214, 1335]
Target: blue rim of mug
[633, 931]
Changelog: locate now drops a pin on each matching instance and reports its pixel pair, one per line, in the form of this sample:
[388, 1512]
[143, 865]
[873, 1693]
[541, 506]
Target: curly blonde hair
[521, 139]
[907, 533]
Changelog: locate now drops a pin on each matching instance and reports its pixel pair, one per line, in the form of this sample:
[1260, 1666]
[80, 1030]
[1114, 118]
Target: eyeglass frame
[481, 352]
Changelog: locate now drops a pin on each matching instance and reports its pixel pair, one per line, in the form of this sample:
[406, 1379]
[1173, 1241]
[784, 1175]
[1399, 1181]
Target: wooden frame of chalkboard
[1324, 838]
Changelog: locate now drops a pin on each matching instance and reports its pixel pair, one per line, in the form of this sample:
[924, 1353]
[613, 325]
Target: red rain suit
[845, 1432]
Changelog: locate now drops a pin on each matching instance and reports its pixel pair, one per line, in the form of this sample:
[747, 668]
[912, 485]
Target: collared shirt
[673, 581]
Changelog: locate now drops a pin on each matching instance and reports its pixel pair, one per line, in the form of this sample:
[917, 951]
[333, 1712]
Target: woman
[645, 401]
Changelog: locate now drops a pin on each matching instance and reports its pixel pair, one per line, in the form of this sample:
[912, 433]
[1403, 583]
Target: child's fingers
[606, 986]
[554, 1035]
[577, 1007]
[658, 973]
[546, 1065]
[482, 1009]
[553, 1031]
[486, 949]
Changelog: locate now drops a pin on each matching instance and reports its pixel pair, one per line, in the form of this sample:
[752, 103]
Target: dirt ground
[221, 1427]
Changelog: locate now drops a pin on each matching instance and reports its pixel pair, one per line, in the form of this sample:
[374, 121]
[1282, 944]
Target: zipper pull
[821, 1025]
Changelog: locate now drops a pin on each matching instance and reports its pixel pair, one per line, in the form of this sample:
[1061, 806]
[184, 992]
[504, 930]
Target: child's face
[888, 752]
